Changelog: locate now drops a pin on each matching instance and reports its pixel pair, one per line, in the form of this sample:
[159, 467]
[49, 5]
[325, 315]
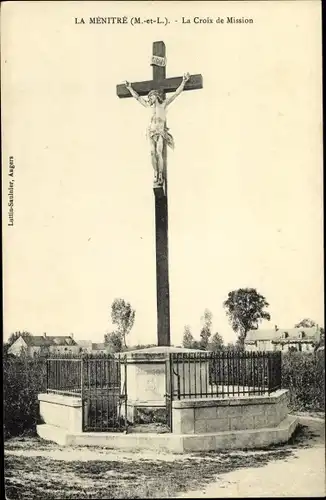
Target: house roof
[40, 340]
[84, 343]
[294, 335]
[95, 346]
[98, 346]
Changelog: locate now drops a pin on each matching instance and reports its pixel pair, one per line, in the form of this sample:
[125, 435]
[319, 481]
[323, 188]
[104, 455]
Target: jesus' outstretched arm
[135, 95]
[179, 90]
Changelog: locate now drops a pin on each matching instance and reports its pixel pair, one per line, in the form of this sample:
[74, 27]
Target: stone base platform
[174, 443]
[199, 424]
[202, 415]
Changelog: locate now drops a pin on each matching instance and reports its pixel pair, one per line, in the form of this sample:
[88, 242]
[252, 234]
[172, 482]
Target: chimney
[72, 336]
[44, 334]
[276, 328]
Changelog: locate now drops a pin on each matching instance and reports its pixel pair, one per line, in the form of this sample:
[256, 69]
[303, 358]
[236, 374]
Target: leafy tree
[239, 345]
[305, 323]
[5, 349]
[322, 337]
[245, 309]
[230, 347]
[205, 332]
[123, 316]
[14, 336]
[217, 342]
[113, 341]
[188, 340]
[321, 341]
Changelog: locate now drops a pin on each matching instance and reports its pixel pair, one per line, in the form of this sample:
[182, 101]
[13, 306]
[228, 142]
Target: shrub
[304, 375]
[23, 380]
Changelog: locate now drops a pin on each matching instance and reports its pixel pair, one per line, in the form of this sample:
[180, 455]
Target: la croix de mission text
[163, 20]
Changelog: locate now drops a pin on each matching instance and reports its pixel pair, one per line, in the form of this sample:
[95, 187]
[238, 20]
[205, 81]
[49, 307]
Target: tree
[205, 332]
[321, 341]
[217, 342]
[305, 323]
[239, 345]
[5, 349]
[322, 337]
[230, 347]
[113, 341]
[14, 336]
[188, 340]
[123, 316]
[245, 309]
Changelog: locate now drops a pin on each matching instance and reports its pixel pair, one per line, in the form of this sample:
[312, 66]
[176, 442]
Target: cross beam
[165, 85]
[160, 82]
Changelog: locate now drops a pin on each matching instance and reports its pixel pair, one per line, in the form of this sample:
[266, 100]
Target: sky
[245, 179]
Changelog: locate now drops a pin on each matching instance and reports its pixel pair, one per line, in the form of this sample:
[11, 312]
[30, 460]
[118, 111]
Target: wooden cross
[165, 85]
[160, 82]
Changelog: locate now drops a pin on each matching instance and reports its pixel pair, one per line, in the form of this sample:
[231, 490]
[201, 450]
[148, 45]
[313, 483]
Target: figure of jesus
[158, 133]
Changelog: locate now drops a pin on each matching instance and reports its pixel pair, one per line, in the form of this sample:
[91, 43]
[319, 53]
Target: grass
[310, 413]
[35, 469]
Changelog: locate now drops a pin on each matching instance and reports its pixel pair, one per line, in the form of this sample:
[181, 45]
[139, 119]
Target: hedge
[304, 375]
[23, 380]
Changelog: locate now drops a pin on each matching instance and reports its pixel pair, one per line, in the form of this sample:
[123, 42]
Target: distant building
[42, 344]
[89, 346]
[283, 339]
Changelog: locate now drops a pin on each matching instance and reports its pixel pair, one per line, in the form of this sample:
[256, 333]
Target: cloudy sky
[245, 191]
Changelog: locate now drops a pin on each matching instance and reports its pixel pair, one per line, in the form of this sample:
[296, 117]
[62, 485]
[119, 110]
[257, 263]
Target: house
[283, 339]
[89, 346]
[43, 344]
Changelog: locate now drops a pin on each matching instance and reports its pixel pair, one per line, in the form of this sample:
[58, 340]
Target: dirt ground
[37, 469]
[300, 475]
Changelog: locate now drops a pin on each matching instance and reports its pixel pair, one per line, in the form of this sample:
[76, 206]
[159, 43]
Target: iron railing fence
[99, 380]
[222, 374]
[64, 374]
[104, 392]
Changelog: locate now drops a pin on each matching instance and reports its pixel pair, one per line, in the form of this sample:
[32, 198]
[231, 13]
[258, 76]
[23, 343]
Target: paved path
[301, 475]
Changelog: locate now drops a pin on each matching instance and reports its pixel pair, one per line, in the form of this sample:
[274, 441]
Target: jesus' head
[153, 96]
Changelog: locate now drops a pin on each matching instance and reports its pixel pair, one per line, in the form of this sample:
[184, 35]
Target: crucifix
[160, 137]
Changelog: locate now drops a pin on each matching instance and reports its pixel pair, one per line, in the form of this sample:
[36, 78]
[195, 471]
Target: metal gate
[104, 393]
[169, 390]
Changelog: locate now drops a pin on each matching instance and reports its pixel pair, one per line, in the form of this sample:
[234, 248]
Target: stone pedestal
[64, 412]
[146, 376]
[207, 415]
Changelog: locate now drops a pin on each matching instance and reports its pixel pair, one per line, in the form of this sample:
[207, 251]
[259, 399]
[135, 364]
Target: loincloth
[154, 134]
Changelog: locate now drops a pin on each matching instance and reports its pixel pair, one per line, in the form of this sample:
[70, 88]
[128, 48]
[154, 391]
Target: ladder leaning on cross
[162, 86]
